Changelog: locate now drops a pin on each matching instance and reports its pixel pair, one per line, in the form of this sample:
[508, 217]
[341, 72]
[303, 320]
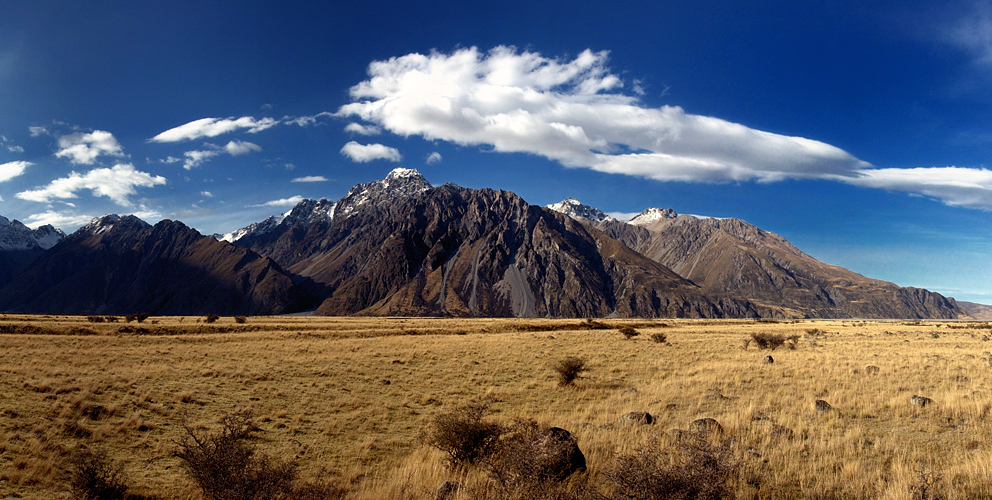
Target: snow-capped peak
[577, 210]
[101, 224]
[16, 236]
[653, 214]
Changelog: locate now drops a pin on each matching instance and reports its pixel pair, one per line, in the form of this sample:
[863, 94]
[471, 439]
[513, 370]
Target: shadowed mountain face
[455, 251]
[732, 256]
[121, 265]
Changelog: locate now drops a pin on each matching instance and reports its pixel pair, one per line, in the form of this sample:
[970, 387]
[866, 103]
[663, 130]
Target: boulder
[920, 401]
[822, 406]
[705, 426]
[637, 417]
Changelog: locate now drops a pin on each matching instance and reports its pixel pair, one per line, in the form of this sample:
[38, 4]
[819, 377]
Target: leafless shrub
[659, 337]
[226, 467]
[686, 470]
[773, 341]
[569, 369]
[925, 486]
[240, 319]
[95, 477]
[628, 332]
[464, 435]
[211, 318]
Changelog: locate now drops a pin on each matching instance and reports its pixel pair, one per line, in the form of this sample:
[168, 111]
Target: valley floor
[350, 400]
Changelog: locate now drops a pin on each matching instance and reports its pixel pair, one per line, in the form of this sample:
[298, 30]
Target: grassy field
[351, 399]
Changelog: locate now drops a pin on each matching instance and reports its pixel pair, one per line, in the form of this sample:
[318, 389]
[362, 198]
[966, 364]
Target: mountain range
[400, 246]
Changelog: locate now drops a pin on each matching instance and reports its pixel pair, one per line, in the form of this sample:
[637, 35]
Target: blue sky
[859, 131]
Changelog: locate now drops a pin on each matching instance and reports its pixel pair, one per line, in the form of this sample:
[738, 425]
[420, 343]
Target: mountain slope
[456, 251]
[732, 256]
[121, 265]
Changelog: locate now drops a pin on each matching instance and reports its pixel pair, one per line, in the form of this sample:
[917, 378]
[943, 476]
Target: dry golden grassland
[350, 399]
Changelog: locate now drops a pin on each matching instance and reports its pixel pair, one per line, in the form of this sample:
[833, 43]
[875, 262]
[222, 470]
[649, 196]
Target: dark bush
[111, 319]
[211, 318]
[569, 369]
[95, 477]
[95, 319]
[687, 470]
[464, 435]
[773, 341]
[628, 332]
[659, 337]
[226, 467]
[240, 319]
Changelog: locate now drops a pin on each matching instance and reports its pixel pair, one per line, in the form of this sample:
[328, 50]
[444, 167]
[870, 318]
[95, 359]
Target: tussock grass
[317, 389]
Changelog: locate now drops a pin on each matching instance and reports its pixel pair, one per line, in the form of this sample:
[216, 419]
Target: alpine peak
[577, 210]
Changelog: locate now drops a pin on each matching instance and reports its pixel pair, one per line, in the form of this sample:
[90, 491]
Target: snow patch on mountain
[653, 214]
[577, 210]
[16, 236]
[401, 182]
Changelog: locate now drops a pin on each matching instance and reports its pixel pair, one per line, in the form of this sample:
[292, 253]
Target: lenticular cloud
[574, 112]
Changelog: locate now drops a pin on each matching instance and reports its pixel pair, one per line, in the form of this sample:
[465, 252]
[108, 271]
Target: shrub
[774, 341]
[211, 318]
[628, 332]
[139, 317]
[687, 470]
[226, 467]
[111, 319]
[240, 319]
[94, 477]
[569, 369]
[659, 337]
[95, 319]
[464, 435]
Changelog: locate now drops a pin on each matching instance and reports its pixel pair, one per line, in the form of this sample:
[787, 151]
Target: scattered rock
[920, 401]
[671, 406]
[638, 417]
[872, 369]
[385, 382]
[768, 360]
[705, 426]
[447, 490]
[715, 395]
[822, 406]
[559, 453]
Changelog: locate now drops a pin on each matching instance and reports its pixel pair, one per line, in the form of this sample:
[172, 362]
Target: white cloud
[575, 113]
[363, 153]
[285, 202]
[572, 112]
[83, 149]
[973, 33]
[38, 131]
[197, 157]
[955, 186]
[305, 121]
[235, 148]
[63, 220]
[13, 169]
[170, 159]
[310, 178]
[117, 183]
[208, 194]
[433, 158]
[7, 143]
[360, 129]
[212, 127]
